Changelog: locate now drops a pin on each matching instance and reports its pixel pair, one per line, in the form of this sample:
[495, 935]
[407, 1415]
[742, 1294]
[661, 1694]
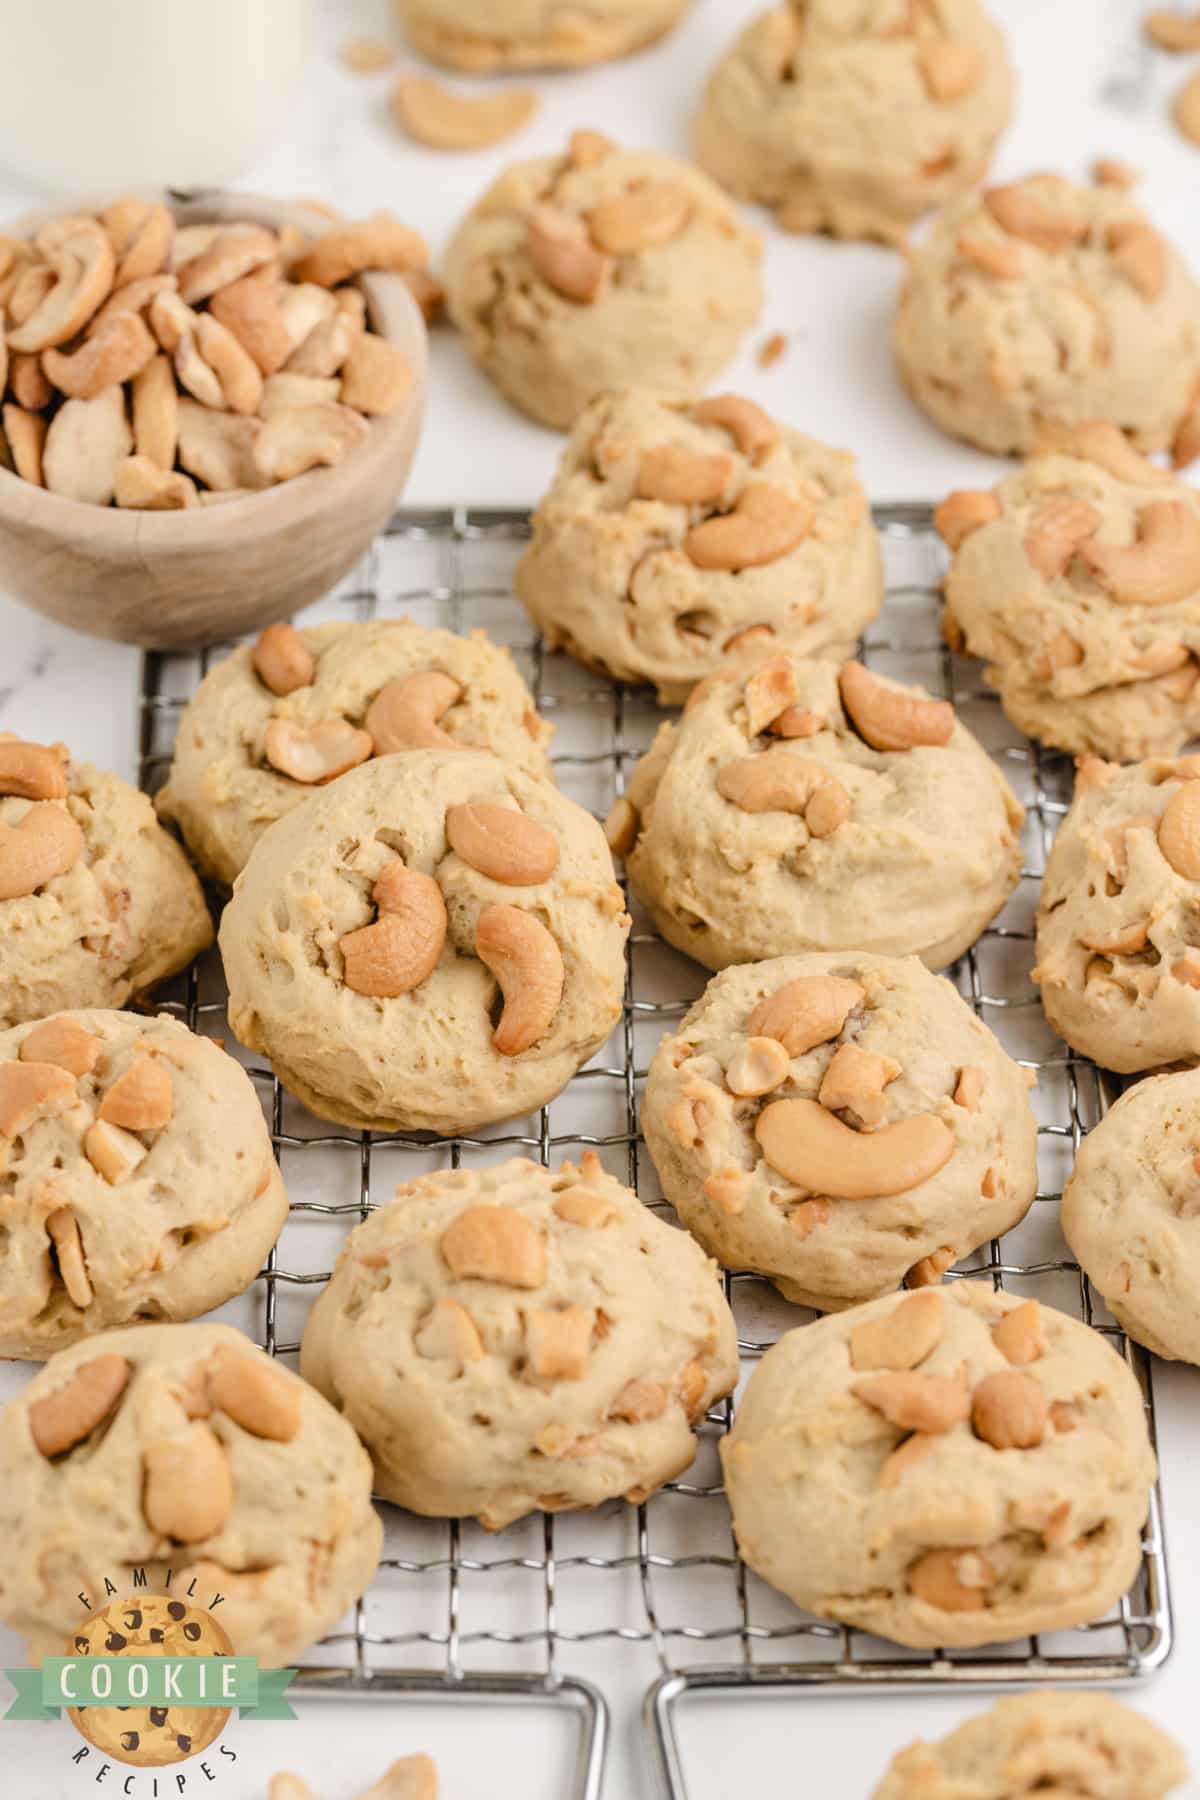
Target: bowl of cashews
[211, 404]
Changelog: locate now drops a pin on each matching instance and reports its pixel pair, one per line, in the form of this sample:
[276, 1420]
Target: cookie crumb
[366, 56]
[770, 352]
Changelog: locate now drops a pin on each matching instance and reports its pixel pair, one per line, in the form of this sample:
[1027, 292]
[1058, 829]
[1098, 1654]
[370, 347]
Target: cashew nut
[437, 116]
[905, 1456]
[528, 966]
[448, 1333]
[996, 257]
[30, 1091]
[855, 1081]
[63, 1228]
[218, 448]
[306, 437]
[64, 1043]
[952, 1580]
[251, 309]
[287, 389]
[1018, 1335]
[134, 297]
[80, 259]
[914, 1401]
[1025, 209]
[1055, 533]
[47, 843]
[142, 1099]
[1140, 253]
[117, 352]
[187, 1492]
[963, 512]
[315, 753]
[30, 289]
[816, 1151]
[805, 1012]
[25, 433]
[112, 1152]
[766, 524]
[756, 1067]
[1172, 30]
[405, 712]
[892, 718]
[682, 477]
[770, 691]
[1163, 566]
[236, 371]
[230, 256]
[969, 1088]
[376, 377]
[28, 383]
[494, 1243]
[32, 771]
[282, 659]
[380, 242]
[141, 483]
[504, 845]
[578, 1206]
[1179, 831]
[86, 442]
[334, 335]
[752, 430]
[900, 1338]
[60, 1420]
[655, 213]
[1009, 1410]
[929, 1271]
[260, 1397]
[797, 722]
[564, 257]
[401, 949]
[557, 1342]
[950, 70]
[143, 246]
[774, 781]
[155, 406]
[1100, 442]
[1185, 109]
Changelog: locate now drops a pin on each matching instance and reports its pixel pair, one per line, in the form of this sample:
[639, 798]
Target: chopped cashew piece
[113, 1152]
[494, 1243]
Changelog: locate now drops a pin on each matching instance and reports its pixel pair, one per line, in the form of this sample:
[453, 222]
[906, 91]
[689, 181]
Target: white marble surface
[833, 301]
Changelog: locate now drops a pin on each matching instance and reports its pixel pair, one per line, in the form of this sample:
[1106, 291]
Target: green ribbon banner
[151, 1681]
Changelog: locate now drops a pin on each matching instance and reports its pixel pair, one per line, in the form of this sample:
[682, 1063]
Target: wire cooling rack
[522, 1617]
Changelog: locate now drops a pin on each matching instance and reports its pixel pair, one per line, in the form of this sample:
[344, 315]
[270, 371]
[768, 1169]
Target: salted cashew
[282, 659]
[952, 1580]
[434, 114]
[963, 512]
[63, 1229]
[251, 309]
[25, 434]
[32, 286]
[806, 1012]
[775, 781]
[405, 712]
[86, 443]
[143, 484]
[134, 297]
[187, 1489]
[302, 307]
[218, 447]
[113, 1152]
[1098, 441]
[914, 1401]
[929, 1271]
[949, 70]
[1057, 529]
[682, 477]
[27, 381]
[752, 430]
[579, 1206]
[770, 691]
[1179, 831]
[528, 966]
[494, 1243]
[855, 1081]
[1140, 253]
[315, 753]
[142, 1099]
[286, 389]
[503, 844]
[329, 344]
[891, 718]
[235, 369]
[448, 1333]
[1163, 566]
[376, 376]
[258, 1396]
[32, 771]
[1025, 210]
[118, 351]
[901, 1338]
[80, 259]
[45, 844]
[816, 1151]
[146, 251]
[652, 214]
[64, 1043]
[30, 1091]
[557, 1342]
[766, 524]
[563, 255]
[155, 409]
[758, 1066]
[1009, 1410]
[61, 1419]
[1019, 1335]
[230, 256]
[306, 437]
[401, 949]
[380, 242]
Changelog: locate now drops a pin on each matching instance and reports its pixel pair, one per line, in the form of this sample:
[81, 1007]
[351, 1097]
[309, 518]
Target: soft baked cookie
[1045, 301]
[837, 1123]
[1078, 580]
[377, 931]
[511, 1338]
[481, 35]
[185, 1451]
[856, 118]
[137, 1179]
[799, 806]
[951, 1467]
[600, 268]
[674, 528]
[297, 708]
[1130, 1211]
[96, 901]
[1044, 1743]
[1118, 923]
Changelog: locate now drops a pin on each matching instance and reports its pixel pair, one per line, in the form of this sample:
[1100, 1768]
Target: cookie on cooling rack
[136, 1177]
[838, 1123]
[297, 708]
[512, 1339]
[1118, 951]
[1131, 1212]
[183, 1448]
[1043, 1743]
[797, 806]
[1042, 301]
[600, 268]
[480, 35]
[856, 119]
[434, 942]
[674, 530]
[952, 1467]
[1078, 581]
[412, 1778]
[96, 901]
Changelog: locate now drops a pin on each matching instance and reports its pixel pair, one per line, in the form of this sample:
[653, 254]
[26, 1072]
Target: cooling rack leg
[658, 1719]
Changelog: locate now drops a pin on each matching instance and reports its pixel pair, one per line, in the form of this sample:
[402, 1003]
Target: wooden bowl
[169, 579]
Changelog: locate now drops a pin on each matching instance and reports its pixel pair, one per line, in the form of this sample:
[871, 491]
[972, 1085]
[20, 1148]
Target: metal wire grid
[456, 1614]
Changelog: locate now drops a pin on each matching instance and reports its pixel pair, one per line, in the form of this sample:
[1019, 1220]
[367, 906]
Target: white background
[833, 301]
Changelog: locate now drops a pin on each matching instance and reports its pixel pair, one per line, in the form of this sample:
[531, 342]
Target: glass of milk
[102, 94]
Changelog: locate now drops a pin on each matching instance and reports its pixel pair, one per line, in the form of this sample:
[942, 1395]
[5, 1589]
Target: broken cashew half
[401, 949]
[816, 1151]
[528, 966]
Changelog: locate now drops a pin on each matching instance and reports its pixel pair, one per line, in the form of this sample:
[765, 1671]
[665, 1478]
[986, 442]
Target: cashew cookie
[597, 269]
[1118, 949]
[510, 1339]
[136, 1176]
[838, 1123]
[434, 942]
[1041, 301]
[96, 901]
[674, 530]
[1078, 581]
[183, 1450]
[481, 35]
[1045, 1743]
[856, 119]
[798, 806]
[951, 1467]
[284, 715]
